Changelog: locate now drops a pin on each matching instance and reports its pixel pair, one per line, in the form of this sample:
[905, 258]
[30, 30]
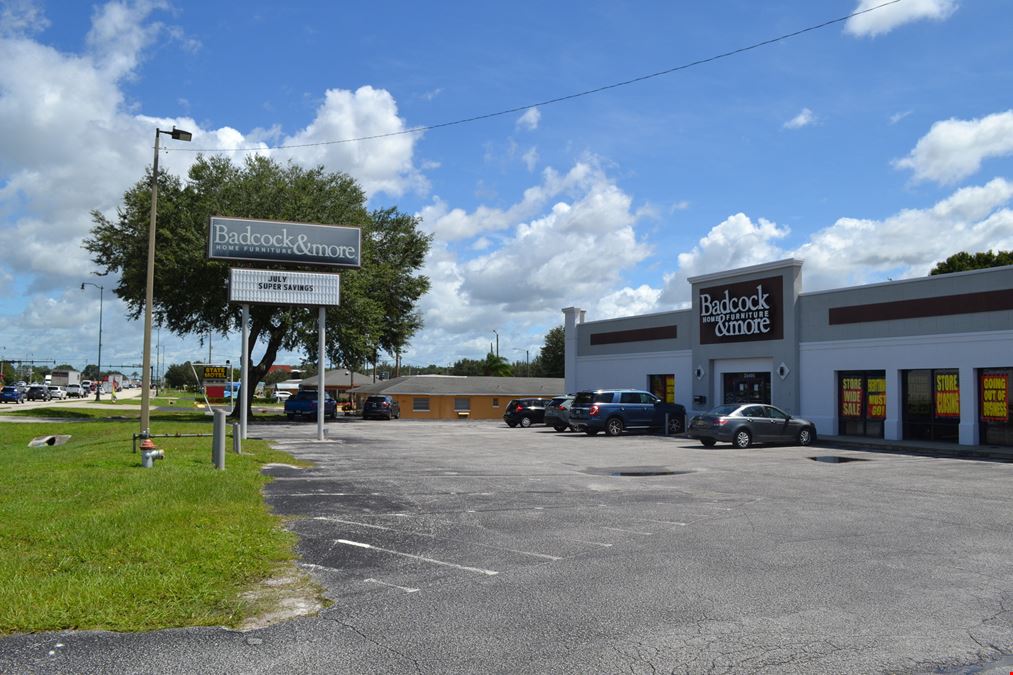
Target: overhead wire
[550, 101]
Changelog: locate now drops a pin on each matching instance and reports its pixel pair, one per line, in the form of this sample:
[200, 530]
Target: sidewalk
[927, 448]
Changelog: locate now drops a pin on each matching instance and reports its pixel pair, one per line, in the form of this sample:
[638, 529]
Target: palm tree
[496, 366]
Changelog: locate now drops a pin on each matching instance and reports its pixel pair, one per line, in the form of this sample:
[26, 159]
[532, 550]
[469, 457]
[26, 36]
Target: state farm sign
[746, 311]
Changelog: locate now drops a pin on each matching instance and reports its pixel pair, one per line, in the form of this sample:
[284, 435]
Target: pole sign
[282, 242]
[281, 287]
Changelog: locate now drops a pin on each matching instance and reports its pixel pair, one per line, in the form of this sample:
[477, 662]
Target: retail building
[929, 358]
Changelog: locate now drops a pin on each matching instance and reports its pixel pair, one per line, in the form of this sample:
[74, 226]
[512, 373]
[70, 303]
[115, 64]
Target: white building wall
[819, 363]
[631, 370]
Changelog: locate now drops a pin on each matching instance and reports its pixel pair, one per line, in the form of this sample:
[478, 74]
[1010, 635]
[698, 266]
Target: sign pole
[320, 372]
[244, 378]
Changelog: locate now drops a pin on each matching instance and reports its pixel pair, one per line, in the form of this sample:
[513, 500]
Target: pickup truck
[304, 404]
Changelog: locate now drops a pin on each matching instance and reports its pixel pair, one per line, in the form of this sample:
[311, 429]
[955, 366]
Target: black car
[525, 411]
[39, 392]
[743, 424]
[615, 410]
[381, 408]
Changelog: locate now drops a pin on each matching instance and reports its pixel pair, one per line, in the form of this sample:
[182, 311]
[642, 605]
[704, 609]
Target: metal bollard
[218, 440]
[237, 440]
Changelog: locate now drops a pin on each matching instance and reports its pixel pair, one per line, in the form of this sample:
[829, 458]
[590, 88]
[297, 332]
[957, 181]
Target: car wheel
[708, 442]
[674, 425]
[805, 436]
[613, 427]
[743, 439]
[525, 421]
[560, 427]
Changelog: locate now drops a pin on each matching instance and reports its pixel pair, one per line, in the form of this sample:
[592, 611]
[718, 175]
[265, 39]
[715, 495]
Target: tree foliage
[552, 357]
[964, 261]
[378, 302]
[180, 376]
[496, 366]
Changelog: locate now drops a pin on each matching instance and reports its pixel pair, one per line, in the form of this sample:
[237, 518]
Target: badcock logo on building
[748, 310]
[274, 241]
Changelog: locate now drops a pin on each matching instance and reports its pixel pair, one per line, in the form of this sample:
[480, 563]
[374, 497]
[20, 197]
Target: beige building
[444, 397]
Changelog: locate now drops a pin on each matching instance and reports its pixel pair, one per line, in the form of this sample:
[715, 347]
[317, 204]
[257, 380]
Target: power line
[558, 99]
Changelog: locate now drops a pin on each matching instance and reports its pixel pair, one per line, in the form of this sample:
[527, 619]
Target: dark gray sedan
[743, 424]
[557, 413]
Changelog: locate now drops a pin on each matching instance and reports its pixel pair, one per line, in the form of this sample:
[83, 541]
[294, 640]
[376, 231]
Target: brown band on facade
[635, 335]
[944, 305]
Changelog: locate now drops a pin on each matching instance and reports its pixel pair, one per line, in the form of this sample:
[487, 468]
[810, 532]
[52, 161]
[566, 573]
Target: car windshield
[724, 410]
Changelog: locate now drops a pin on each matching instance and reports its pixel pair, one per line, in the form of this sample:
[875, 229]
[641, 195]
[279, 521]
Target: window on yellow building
[420, 404]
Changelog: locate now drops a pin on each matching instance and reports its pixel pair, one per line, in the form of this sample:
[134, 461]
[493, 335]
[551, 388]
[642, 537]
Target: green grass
[90, 540]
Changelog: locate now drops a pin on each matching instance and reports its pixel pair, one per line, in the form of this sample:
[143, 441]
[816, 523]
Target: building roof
[336, 378]
[461, 385]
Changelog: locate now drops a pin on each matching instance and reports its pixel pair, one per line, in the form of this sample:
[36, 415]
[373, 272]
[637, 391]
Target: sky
[870, 148]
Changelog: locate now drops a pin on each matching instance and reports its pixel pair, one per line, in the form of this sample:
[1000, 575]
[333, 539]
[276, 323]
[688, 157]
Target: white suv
[57, 392]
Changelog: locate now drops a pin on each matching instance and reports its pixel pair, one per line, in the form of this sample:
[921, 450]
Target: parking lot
[473, 547]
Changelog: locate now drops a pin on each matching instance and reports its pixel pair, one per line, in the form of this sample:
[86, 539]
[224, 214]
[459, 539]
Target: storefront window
[746, 388]
[861, 399]
[932, 405]
[994, 406]
[662, 386]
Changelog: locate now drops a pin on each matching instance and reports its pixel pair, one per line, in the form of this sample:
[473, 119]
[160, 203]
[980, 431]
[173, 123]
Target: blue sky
[870, 148]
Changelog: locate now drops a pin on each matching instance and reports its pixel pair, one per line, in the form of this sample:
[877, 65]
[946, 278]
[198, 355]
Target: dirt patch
[287, 595]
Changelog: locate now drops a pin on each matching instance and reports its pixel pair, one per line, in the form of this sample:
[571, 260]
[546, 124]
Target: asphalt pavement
[470, 547]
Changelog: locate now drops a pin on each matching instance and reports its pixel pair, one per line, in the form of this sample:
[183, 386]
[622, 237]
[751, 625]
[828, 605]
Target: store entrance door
[746, 387]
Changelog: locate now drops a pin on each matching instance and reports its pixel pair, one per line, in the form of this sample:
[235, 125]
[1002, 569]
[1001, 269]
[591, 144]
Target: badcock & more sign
[741, 312]
[278, 241]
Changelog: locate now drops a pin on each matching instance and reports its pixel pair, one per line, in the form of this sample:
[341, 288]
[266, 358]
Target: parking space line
[582, 541]
[417, 557]
[384, 583]
[666, 522]
[619, 529]
[545, 556]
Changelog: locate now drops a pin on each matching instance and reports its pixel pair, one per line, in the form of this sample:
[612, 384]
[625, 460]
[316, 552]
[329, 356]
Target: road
[464, 547]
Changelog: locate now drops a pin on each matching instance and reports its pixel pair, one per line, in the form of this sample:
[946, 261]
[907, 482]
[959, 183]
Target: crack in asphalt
[345, 624]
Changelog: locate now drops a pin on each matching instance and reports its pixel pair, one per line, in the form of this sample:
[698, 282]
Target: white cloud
[21, 18]
[529, 120]
[898, 116]
[680, 205]
[885, 19]
[628, 302]
[380, 164]
[735, 242]
[803, 119]
[573, 242]
[454, 223]
[530, 158]
[854, 250]
[954, 149]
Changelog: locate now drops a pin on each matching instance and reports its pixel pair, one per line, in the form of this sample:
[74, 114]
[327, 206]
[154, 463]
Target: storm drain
[633, 471]
[835, 459]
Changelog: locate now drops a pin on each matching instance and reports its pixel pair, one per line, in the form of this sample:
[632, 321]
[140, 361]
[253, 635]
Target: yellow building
[445, 397]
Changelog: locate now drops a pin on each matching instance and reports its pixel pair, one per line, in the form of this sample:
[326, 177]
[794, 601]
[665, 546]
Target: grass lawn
[90, 540]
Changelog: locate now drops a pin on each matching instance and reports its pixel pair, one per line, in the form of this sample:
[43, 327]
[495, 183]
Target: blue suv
[615, 410]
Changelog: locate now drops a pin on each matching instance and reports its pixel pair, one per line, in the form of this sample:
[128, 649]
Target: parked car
[38, 392]
[743, 424]
[57, 392]
[525, 411]
[615, 410]
[381, 407]
[74, 391]
[12, 394]
[304, 404]
[557, 413]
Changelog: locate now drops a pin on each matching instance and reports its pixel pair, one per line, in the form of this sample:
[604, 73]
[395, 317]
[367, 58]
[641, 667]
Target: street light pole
[179, 135]
[497, 341]
[98, 376]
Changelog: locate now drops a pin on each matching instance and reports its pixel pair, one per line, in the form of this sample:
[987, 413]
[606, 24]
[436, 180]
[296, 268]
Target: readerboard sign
[281, 242]
[281, 287]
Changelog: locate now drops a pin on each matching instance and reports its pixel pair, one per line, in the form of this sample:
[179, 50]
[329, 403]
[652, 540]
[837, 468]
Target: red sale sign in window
[995, 397]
